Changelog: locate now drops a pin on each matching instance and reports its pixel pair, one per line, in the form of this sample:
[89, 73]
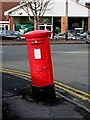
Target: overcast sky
[83, 1]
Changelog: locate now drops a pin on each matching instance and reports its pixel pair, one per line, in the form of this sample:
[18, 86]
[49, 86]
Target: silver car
[62, 36]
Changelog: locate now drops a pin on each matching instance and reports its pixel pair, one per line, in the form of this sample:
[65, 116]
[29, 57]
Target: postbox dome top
[37, 33]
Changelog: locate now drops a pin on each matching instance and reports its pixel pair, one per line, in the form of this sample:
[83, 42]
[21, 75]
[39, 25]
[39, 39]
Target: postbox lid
[37, 33]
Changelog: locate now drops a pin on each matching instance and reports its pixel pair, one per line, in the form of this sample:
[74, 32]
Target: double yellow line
[73, 91]
[16, 72]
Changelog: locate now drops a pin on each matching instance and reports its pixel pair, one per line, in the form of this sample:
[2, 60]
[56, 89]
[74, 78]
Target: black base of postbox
[42, 94]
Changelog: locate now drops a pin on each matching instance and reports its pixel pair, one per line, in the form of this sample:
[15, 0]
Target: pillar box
[39, 54]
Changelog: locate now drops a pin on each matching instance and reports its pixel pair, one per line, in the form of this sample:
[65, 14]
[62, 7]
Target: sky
[83, 1]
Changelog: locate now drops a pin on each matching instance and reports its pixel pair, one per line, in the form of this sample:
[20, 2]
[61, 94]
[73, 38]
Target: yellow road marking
[60, 85]
[15, 71]
[73, 93]
[76, 90]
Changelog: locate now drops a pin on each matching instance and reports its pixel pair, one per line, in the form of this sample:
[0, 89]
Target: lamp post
[66, 36]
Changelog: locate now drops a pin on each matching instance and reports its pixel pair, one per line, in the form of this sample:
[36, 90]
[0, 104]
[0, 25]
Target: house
[78, 16]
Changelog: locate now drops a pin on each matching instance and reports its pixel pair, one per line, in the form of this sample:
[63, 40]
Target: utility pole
[66, 36]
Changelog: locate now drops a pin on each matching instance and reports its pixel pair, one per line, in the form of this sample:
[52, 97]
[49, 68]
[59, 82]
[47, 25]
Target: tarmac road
[70, 63]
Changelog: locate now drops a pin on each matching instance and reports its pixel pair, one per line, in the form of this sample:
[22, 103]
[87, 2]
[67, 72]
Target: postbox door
[42, 66]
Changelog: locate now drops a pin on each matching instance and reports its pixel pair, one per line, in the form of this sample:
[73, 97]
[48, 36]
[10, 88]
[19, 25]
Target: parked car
[62, 36]
[7, 35]
[78, 34]
[88, 37]
[18, 34]
[84, 35]
[71, 36]
[10, 34]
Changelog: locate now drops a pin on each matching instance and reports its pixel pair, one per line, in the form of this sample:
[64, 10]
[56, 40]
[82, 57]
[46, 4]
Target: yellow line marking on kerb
[73, 93]
[74, 89]
[58, 84]
[15, 72]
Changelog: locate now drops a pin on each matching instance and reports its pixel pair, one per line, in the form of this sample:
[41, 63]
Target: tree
[37, 8]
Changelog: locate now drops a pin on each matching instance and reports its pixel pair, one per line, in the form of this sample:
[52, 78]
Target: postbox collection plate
[37, 53]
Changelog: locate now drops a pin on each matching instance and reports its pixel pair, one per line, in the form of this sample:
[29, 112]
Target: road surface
[70, 63]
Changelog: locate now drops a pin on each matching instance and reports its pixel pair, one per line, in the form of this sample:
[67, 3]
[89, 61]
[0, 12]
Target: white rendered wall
[57, 8]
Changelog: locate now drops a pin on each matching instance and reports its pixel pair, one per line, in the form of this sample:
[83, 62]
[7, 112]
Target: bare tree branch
[36, 7]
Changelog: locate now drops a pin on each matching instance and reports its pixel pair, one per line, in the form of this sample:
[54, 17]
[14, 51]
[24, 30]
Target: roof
[59, 9]
[6, 6]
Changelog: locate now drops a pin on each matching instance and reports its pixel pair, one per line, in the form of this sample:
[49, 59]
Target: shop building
[78, 16]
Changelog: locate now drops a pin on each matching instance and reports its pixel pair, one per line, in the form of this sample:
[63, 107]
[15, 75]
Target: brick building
[4, 6]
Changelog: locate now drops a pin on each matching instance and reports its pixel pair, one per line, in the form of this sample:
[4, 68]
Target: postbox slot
[33, 43]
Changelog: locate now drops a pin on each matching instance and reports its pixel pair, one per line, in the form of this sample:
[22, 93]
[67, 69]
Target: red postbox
[40, 64]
